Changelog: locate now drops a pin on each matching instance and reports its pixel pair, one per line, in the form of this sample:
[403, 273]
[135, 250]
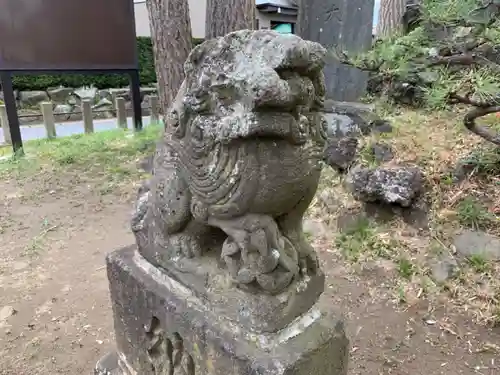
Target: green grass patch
[472, 213]
[363, 238]
[107, 151]
[484, 161]
[479, 263]
[368, 157]
[406, 269]
[356, 239]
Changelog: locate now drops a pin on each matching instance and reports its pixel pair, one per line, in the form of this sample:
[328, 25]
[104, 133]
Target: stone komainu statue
[238, 164]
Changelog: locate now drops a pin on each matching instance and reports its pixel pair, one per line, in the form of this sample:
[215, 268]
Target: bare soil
[55, 315]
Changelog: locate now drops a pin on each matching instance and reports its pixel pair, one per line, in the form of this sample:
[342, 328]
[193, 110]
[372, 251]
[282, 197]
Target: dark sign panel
[67, 35]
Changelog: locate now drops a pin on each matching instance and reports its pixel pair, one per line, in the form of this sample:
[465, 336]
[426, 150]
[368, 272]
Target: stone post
[88, 120]
[48, 119]
[4, 121]
[341, 24]
[121, 113]
[155, 109]
[222, 279]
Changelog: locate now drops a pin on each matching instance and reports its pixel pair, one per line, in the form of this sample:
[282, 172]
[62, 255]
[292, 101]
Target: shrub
[450, 57]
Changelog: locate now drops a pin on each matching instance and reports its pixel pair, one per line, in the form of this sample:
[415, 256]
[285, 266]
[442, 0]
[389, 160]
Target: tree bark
[172, 42]
[225, 16]
[390, 19]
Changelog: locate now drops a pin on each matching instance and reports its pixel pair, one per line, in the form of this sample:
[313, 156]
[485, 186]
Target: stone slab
[345, 25]
[163, 328]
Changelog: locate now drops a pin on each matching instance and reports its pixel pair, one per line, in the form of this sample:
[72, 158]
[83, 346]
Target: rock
[104, 109]
[348, 107]
[108, 365]
[340, 125]
[103, 104]
[381, 126]
[60, 95]
[477, 243]
[6, 312]
[62, 111]
[148, 91]
[391, 185]
[444, 269]
[32, 98]
[105, 94]
[381, 152]
[120, 93]
[348, 119]
[74, 100]
[86, 93]
[146, 105]
[146, 101]
[340, 152]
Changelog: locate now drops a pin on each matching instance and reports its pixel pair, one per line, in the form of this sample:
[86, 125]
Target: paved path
[64, 129]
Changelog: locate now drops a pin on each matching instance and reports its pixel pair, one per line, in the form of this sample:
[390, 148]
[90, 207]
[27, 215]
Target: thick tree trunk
[225, 16]
[172, 41]
[390, 19]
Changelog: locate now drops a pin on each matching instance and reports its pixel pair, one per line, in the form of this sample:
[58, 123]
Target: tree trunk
[225, 16]
[172, 42]
[390, 18]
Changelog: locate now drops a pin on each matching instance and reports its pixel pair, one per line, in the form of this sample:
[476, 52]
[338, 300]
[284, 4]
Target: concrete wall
[197, 10]
[141, 19]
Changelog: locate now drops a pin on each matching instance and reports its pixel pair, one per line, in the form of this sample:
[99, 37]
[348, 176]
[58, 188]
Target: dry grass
[106, 161]
[436, 142]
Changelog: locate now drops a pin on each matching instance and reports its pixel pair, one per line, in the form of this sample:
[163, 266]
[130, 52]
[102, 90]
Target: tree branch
[482, 131]
[344, 59]
[482, 109]
[466, 59]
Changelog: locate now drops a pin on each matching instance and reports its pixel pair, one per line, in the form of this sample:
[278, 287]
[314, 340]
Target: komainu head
[247, 84]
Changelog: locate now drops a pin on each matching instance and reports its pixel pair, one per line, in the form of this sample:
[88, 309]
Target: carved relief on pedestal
[167, 354]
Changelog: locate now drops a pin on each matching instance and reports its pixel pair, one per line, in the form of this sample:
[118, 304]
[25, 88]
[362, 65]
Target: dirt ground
[55, 315]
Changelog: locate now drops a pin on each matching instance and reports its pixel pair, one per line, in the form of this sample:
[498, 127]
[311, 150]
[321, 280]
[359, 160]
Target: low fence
[49, 120]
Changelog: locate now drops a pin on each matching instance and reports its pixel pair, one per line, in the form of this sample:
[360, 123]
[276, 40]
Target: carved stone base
[108, 365]
[163, 328]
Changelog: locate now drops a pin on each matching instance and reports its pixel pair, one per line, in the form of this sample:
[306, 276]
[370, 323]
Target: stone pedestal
[163, 328]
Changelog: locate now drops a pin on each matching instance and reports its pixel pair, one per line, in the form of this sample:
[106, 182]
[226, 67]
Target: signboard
[63, 35]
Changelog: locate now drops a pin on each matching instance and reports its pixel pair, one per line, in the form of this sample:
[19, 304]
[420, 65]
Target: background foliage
[454, 48]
